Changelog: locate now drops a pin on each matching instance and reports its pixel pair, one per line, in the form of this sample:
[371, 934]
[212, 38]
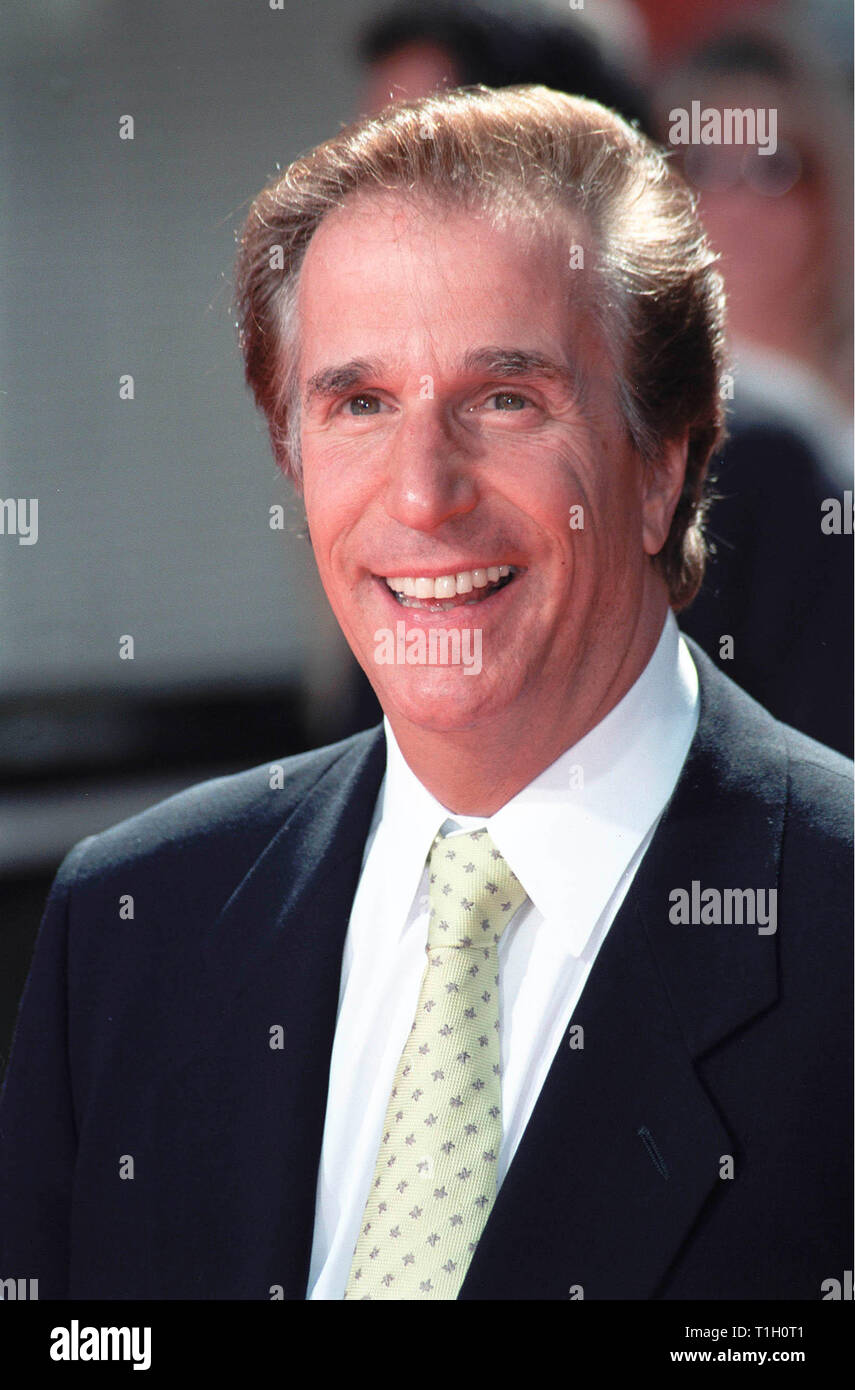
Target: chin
[444, 702]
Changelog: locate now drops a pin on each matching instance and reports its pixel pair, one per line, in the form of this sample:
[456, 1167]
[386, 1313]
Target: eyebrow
[333, 381]
[505, 363]
[517, 362]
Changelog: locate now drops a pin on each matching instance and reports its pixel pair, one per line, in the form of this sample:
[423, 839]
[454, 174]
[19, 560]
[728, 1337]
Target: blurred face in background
[768, 216]
[414, 70]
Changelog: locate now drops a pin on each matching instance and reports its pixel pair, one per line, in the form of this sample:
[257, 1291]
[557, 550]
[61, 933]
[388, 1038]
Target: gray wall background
[117, 255]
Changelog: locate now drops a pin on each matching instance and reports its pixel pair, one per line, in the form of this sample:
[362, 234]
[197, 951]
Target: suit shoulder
[228, 816]
[820, 787]
[757, 752]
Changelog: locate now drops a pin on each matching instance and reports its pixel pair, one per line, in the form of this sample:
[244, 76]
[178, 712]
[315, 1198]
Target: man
[537, 990]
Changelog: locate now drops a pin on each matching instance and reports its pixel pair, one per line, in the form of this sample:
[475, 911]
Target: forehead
[384, 273]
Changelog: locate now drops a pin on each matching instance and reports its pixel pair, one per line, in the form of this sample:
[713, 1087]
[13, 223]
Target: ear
[663, 483]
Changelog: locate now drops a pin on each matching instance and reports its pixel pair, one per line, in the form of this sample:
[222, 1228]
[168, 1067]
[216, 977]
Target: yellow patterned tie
[435, 1178]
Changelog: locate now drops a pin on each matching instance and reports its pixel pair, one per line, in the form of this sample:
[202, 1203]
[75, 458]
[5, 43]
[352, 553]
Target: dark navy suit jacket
[148, 1039]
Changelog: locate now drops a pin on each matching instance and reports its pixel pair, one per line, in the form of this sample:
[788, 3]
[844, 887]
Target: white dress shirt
[575, 840]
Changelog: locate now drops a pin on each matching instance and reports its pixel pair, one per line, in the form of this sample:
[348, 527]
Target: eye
[362, 405]
[509, 400]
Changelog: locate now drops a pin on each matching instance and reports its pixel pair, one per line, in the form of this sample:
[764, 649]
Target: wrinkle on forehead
[537, 232]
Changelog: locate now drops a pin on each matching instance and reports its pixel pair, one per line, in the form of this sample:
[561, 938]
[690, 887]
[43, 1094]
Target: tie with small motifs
[435, 1178]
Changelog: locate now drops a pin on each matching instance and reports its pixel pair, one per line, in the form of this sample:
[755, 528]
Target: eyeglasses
[721, 169]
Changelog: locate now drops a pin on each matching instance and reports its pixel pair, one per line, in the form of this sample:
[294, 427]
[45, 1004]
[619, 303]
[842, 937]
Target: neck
[477, 770]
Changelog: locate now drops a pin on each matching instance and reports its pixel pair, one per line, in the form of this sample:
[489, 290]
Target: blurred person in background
[410, 50]
[676, 26]
[779, 585]
[781, 220]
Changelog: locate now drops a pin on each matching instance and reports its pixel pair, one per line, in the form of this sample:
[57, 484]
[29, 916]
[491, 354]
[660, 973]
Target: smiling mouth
[451, 590]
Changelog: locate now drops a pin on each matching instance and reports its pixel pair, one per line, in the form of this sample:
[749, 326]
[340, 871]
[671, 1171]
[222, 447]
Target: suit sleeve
[38, 1137]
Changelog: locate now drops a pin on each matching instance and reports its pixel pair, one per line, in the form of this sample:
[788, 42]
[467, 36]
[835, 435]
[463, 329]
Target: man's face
[459, 417]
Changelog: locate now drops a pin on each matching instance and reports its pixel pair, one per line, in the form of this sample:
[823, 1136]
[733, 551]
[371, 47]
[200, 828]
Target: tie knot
[474, 893]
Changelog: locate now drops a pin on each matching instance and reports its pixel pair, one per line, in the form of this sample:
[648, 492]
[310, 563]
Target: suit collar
[722, 828]
[572, 832]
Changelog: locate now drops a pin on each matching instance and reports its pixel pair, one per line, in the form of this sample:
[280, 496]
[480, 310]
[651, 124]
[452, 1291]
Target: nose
[429, 476]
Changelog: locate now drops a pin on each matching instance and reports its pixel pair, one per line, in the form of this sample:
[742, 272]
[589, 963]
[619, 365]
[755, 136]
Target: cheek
[333, 502]
[323, 532]
[612, 487]
[544, 479]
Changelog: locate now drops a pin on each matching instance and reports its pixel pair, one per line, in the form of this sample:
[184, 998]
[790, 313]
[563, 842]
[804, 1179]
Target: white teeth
[447, 586]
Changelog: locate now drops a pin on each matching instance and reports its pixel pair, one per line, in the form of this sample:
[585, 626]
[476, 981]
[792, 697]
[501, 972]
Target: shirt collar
[572, 832]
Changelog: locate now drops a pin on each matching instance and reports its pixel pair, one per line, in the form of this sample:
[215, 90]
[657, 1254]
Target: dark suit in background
[778, 584]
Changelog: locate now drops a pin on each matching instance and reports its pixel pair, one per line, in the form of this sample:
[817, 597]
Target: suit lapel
[622, 1152]
[243, 1120]
[619, 1155]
